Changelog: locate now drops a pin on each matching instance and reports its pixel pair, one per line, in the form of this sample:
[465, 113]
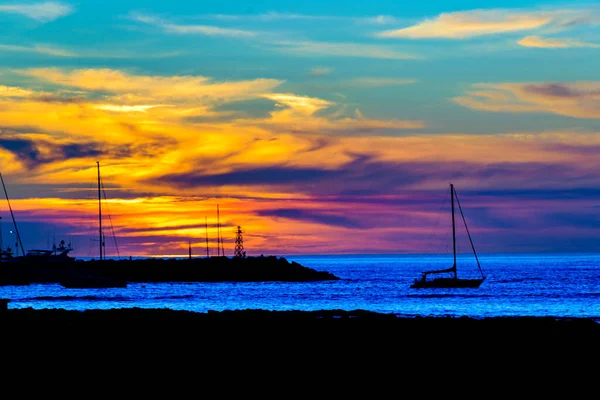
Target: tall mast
[219, 238]
[206, 230]
[19, 243]
[218, 233]
[453, 228]
[222, 247]
[100, 212]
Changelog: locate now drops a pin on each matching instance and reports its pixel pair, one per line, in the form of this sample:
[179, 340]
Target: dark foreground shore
[323, 329]
[291, 350]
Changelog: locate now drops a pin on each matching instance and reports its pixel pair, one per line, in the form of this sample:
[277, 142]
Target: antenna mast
[19, 243]
[100, 213]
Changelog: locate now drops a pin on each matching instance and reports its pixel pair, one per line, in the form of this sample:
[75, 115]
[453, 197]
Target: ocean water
[556, 285]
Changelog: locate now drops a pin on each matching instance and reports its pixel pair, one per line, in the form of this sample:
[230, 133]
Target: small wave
[448, 295]
[77, 298]
[174, 297]
[520, 280]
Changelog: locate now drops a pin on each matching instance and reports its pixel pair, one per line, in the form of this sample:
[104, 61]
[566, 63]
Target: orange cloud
[302, 179]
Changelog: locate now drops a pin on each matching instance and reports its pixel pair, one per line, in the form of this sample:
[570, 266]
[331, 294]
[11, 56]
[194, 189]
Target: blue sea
[555, 285]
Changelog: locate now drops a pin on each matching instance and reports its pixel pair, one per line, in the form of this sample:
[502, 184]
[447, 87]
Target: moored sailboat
[451, 281]
[85, 279]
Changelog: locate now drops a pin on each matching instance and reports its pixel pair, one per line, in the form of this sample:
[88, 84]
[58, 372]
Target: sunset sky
[317, 126]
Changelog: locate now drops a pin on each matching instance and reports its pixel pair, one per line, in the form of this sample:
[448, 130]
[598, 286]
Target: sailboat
[452, 281]
[87, 280]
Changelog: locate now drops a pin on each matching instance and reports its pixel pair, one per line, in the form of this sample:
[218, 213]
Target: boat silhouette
[452, 281]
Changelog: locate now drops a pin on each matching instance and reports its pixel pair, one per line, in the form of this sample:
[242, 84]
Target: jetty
[56, 265]
[210, 269]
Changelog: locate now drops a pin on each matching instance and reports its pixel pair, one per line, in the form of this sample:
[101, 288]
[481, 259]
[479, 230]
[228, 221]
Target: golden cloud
[154, 87]
[548, 43]
[473, 23]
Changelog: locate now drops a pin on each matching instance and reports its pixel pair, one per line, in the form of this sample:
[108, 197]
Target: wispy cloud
[549, 43]
[267, 17]
[40, 49]
[467, 24]
[273, 16]
[42, 12]
[381, 20]
[53, 51]
[301, 114]
[207, 30]
[333, 49]
[316, 217]
[573, 99]
[368, 81]
[319, 71]
[300, 104]
[125, 108]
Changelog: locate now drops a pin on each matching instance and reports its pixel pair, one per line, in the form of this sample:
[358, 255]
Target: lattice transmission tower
[239, 244]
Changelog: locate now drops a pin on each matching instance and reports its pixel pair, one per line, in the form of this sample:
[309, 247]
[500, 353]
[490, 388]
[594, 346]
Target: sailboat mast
[13, 218]
[206, 231]
[453, 228]
[100, 212]
[218, 233]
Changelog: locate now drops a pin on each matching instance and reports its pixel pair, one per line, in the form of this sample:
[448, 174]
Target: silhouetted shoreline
[323, 341]
[461, 329]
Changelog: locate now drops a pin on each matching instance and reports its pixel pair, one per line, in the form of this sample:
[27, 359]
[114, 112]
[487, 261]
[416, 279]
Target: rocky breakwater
[213, 269]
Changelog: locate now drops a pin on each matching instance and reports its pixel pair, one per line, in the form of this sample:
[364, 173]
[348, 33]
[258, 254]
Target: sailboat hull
[447, 283]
